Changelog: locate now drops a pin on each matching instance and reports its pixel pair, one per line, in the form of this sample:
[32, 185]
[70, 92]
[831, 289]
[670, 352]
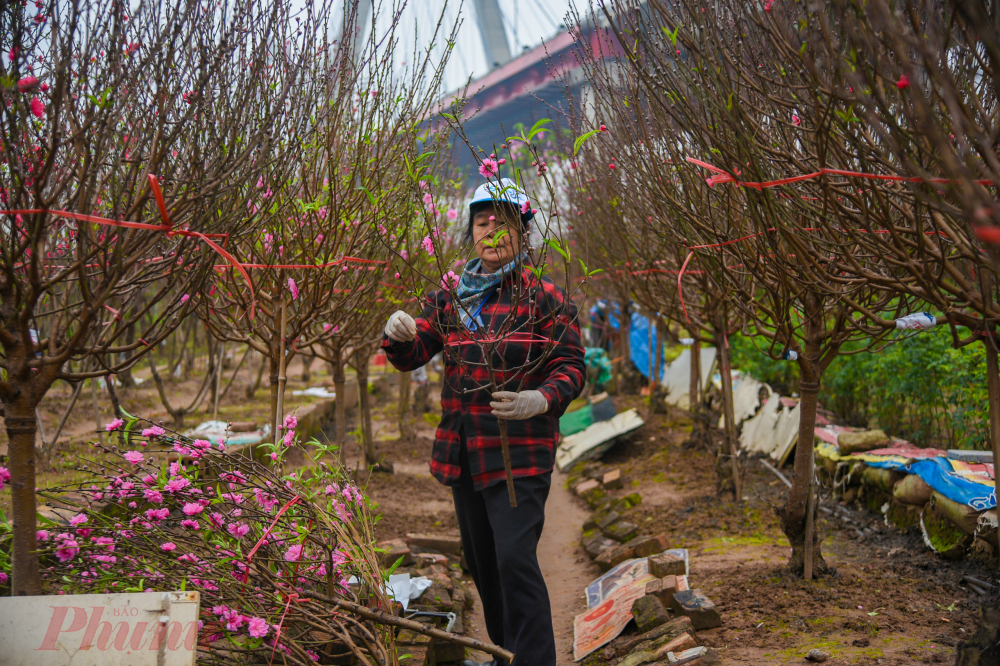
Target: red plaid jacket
[544, 314]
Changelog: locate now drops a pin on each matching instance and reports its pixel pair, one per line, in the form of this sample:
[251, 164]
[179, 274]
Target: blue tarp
[639, 345]
[638, 336]
[966, 483]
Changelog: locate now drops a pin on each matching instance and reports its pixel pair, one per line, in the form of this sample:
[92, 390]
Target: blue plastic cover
[639, 344]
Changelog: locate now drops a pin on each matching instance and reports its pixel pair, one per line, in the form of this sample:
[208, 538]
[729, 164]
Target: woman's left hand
[517, 406]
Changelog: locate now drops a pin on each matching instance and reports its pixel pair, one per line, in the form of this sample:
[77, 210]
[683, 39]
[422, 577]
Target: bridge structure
[543, 81]
[506, 81]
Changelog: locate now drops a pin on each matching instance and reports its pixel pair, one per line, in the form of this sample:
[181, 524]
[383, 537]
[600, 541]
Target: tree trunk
[660, 343]
[48, 448]
[339, 407]
[273, 383]
[283, 358]
[236, 372]
[191, 350]
[652, 366]
[116, 404]
[628, 382]
[728, 417]
[406, 430]
[992, 372]
[307, 362]
[255, 383]
[126, 375]
[21, 424]
[97, 411]
[211, 346]
[694, 389]
[796, 510]
[364, 408]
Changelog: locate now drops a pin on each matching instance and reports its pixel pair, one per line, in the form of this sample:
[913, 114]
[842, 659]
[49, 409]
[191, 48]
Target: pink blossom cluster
[490, 167]
[178, 523]
[428, 245]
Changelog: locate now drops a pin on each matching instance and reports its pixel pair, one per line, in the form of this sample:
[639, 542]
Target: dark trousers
[499, 543]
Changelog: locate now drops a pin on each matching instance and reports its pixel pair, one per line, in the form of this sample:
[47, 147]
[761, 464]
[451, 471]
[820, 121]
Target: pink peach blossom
[489, 168]
[192, 509]
[134, 457]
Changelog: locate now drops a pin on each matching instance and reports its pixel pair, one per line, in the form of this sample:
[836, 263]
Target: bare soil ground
[143, 400]
[890, 602]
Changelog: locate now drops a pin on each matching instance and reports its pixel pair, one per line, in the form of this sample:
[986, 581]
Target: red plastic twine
[281, 622]
[723, 177]
[267, 532]
[165, 227]
[680, 292]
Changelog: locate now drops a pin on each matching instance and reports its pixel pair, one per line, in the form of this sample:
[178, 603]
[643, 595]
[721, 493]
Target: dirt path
[566, 568]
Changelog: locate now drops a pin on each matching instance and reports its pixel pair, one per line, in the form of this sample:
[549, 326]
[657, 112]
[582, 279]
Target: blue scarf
[475, 288]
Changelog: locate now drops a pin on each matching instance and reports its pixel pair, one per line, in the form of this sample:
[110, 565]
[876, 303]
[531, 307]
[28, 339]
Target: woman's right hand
[400, 327]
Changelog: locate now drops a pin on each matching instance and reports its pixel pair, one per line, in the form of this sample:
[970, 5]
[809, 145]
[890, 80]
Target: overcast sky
[526, 22]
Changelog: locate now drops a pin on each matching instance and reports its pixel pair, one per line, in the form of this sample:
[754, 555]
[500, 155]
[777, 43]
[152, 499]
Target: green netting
[573, 422]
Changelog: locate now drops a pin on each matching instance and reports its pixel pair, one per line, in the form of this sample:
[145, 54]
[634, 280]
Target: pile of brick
[438, 558]
[669, 614]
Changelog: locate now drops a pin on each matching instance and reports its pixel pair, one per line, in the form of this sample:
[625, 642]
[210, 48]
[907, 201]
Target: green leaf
[536, 128]
[672, 35]
[492, 242]
[555, 245]
[581, 139]
[371, 197]
[393, 568]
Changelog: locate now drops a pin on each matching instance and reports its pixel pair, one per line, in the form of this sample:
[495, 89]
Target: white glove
[517, 406]
[401, 327]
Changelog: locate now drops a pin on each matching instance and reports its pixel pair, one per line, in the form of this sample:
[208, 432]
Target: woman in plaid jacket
[539, 370]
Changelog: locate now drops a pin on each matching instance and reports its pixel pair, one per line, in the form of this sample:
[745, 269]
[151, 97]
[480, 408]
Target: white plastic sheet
[677, 376]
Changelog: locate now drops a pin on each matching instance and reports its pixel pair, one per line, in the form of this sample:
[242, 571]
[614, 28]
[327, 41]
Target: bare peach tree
[99, 98]
[728, 98]
[628, 175]
[923, 105]
[318, 265]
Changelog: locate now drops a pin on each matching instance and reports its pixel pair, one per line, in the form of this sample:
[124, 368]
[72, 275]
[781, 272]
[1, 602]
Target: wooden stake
[218, 377]
[807, 568]
[97, 410]
[281, 372]
[728, 418]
